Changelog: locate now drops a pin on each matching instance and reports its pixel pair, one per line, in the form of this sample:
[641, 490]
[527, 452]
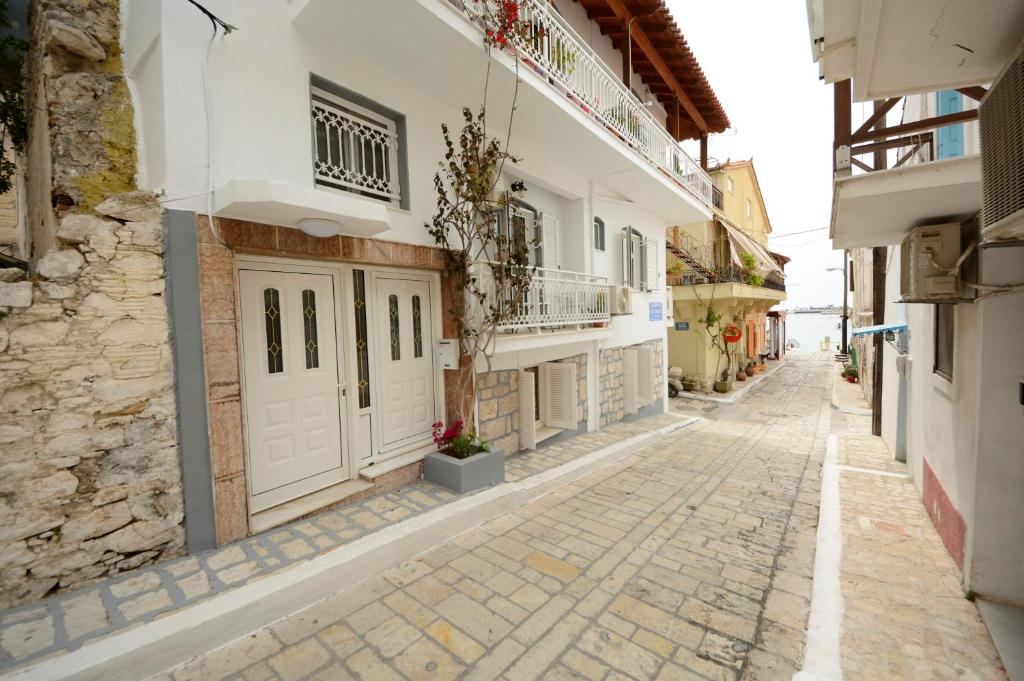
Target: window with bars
[356, 148]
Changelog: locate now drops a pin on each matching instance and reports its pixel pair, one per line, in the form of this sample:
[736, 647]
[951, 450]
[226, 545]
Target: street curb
[736, 395]
[159, 645]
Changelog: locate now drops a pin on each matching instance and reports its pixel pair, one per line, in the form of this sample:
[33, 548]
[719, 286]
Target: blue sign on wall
[682, 326]
[655, 312]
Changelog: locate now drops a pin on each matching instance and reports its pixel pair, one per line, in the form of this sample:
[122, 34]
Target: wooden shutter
[644, 375]
[629, 386]
[527, 426]
[558, 380]
[551, 252]
[653, 280]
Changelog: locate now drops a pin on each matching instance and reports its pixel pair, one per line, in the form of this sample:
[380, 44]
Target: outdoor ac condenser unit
[621, 299]
[1001, 126]
[926, 256]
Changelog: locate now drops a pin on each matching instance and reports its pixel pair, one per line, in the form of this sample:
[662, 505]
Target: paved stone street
[690, 559]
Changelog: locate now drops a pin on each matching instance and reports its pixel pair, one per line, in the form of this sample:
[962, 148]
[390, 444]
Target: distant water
[811, 329]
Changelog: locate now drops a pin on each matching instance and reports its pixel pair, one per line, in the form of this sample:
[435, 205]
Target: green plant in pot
[689, 382]
[455, 443]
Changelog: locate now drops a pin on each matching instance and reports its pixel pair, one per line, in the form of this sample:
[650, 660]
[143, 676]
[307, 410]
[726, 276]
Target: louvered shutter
[627, 256]
[551, 252]
[644, 375]
[558, 380]
[629, 386]
[527, 426]
[651, 259]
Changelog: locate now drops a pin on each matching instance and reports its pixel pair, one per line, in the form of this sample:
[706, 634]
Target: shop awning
[744, 243]
[879, 328]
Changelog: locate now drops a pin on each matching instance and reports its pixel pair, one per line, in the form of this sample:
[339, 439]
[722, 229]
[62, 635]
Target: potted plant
[741, 375]
[689, 382]
[723, 385]
[850, 373]
[750, 370]
[463, 462]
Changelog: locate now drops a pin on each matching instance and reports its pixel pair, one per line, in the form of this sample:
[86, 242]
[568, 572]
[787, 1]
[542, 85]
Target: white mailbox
[447, 351]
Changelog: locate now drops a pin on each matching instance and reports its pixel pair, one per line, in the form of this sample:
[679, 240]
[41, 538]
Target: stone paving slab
[65, 622]
[690, 559]
[905, 615]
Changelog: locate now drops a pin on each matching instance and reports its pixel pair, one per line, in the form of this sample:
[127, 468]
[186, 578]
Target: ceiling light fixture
[320, 227]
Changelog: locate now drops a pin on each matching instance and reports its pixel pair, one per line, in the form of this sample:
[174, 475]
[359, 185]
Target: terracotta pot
[750, 371]
[741, 376]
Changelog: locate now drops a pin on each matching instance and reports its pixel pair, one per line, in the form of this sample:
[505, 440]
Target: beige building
[723, 266]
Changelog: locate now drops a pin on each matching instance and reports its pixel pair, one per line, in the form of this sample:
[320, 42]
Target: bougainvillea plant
[504, 23]
[453, 442]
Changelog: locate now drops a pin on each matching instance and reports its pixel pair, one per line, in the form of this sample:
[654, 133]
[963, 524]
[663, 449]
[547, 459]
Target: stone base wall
[498, 400]
[90, 482]
[612, 401]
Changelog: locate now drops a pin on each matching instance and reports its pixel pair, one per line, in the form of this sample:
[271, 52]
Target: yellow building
[724, 266]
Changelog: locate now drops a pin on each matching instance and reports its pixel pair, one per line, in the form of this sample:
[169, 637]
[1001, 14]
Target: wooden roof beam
[641, 39]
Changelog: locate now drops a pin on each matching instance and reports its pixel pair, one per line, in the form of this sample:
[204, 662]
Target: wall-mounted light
[518, 188]
[320, 227]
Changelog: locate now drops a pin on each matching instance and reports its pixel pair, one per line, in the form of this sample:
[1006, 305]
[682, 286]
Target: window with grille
[355, 148]
[945, 330]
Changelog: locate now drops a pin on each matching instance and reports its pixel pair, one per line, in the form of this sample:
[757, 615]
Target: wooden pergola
[649, 40]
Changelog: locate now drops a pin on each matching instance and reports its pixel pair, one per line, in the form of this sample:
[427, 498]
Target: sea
[810, 330]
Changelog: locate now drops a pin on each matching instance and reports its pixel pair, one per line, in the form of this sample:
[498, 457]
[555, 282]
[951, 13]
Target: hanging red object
[731, 334]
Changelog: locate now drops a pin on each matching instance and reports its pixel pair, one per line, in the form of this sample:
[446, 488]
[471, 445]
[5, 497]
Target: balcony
[556, 52]
[554, 299]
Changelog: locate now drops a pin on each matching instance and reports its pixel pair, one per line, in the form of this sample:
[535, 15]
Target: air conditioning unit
[620, 299]
[1001, 126]
[926, 256]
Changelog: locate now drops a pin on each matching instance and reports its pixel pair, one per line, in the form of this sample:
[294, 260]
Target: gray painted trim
[182, 286]
[652, 409]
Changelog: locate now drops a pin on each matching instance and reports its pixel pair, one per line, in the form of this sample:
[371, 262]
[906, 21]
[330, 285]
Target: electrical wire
[806, 231]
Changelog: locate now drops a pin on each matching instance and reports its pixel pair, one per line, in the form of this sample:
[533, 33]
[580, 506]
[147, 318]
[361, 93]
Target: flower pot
[689, 386]
[750, 371]
[723, 386]
[741, 375]
[464, 475]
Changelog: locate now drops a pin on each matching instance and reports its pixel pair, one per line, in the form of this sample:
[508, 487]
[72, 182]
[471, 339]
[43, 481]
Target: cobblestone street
[690, 559]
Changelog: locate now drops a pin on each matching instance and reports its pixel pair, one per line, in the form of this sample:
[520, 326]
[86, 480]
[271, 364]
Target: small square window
[945, 335]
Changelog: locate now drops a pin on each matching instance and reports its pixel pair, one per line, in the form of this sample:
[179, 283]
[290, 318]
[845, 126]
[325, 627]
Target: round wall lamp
[320, 227]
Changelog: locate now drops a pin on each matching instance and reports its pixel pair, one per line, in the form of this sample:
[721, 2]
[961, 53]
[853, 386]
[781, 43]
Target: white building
[950, 390]
[321, 379]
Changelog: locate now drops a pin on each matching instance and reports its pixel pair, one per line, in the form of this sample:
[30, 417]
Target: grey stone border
[186, 335]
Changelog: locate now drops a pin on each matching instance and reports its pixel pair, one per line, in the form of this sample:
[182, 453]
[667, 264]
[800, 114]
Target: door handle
[343, 387]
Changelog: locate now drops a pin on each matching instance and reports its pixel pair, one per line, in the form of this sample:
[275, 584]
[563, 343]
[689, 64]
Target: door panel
[290, 363]
[405, 359]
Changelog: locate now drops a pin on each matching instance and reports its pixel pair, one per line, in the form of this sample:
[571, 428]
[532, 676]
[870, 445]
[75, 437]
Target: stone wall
[90, 481]
[612, 403]
[498, 399]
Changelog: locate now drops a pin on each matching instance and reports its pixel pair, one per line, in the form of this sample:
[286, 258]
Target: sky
[757, 58]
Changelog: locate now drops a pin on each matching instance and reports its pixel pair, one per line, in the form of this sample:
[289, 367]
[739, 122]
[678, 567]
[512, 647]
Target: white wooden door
[292, 384]
[405, 360]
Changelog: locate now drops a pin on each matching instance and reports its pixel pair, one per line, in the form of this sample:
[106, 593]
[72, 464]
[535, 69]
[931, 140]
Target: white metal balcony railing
[555, 298]
[554, 48]
[355, 149]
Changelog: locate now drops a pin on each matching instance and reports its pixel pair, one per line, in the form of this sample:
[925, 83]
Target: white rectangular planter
[464, 475]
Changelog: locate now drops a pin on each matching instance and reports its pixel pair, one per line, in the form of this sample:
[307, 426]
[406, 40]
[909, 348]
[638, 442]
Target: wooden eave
[663, 61]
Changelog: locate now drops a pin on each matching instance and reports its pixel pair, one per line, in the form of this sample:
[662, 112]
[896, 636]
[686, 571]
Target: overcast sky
[757, 57]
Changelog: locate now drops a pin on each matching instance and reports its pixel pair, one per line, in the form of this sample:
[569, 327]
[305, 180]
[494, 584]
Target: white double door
[293, 383]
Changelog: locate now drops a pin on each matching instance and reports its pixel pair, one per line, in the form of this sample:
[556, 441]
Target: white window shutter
[527, 426]
[629, 386]
[558, 380]
[627, 256]
[644, 375]
[653, 271]
[551, 248]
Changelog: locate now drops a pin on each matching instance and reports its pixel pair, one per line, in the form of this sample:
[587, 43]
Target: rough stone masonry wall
[498, 399]
[612, 401]
[90, 483]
